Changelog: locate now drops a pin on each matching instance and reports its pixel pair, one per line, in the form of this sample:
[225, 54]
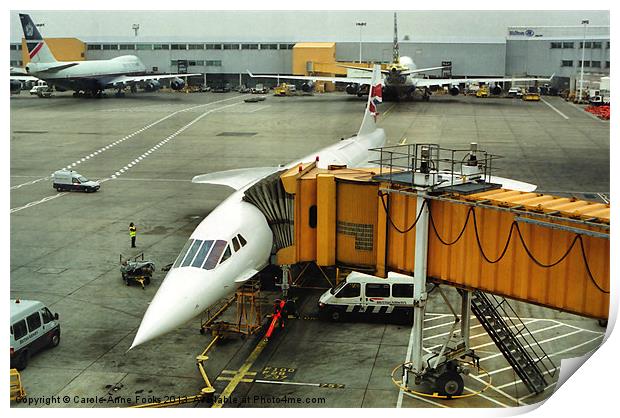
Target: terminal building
[525, 51]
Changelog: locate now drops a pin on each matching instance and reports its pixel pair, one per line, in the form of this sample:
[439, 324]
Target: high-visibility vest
[132, 231]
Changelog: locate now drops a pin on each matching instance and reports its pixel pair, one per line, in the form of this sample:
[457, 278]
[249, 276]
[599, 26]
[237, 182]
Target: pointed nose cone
[183, 295]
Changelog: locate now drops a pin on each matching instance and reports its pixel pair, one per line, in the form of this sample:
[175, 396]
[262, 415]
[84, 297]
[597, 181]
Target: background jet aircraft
[399, 80]
[89, 77]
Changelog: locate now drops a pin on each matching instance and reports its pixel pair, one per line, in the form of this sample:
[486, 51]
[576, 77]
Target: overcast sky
[295, 25]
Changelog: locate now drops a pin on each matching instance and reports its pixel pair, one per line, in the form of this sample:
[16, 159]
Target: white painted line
[554, 108]
[31, 204]
[488, 398]
[260, 108]
[420, 398]
[287, 383]
[529, 345]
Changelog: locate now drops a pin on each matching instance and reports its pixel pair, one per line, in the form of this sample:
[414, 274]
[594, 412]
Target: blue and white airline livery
[88, 77]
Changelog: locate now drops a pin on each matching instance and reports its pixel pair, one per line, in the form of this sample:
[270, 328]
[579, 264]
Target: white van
[71, 180]
[33, 328]
[370, 296]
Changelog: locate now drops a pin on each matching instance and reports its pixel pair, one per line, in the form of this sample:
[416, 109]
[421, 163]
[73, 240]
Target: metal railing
[400, 163]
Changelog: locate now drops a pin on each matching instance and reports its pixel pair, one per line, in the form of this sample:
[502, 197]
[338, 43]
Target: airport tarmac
[65, 247]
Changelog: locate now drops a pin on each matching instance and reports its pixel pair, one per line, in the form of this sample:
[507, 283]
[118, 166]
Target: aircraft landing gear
[427, 95]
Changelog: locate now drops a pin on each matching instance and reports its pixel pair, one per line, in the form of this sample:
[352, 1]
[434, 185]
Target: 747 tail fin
[375, 92]
[38, 51]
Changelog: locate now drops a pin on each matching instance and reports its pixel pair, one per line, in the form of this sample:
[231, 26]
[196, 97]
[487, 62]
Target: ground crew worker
[132, 234]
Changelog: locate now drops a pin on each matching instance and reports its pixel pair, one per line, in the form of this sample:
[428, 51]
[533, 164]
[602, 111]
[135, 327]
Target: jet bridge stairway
[519, 347]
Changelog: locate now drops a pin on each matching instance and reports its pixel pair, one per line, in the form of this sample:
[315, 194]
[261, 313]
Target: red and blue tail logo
[375, 98]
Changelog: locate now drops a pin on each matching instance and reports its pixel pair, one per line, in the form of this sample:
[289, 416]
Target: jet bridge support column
[419, 286]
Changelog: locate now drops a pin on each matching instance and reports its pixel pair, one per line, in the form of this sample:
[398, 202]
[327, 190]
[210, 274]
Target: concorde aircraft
[233, 243]
[399, 78]
[88, 77]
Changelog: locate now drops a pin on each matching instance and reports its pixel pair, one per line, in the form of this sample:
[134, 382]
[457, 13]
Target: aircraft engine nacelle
[352, 88]
[307, 87]
[152, 85]
[454, 90]
[497, 90]
[177, 84]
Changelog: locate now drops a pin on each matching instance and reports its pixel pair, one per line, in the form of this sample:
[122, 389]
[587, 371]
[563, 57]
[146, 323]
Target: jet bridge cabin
[538, 248]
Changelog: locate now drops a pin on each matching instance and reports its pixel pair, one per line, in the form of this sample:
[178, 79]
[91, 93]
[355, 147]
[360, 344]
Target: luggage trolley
[136, 270]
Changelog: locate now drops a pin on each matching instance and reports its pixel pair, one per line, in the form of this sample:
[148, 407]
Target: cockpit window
[226, 255]
[214, 255]
[236, 244]
[202, 253]
[182, 254]
[242, 240]
[191, 253]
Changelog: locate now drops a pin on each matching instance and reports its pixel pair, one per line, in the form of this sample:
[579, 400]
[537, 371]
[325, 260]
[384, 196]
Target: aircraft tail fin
[395, 51]
[38, 51]
[369, 123]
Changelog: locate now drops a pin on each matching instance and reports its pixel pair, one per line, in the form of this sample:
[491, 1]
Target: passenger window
[34, 321]
[402, 290]
[75, 180]
[377, 290]
[19, 329]
[202, 253]
[183, 252]
[46, 315]
[351, 290]
[214, 255]
[236, 244]
[226, 255]
[191, 253]
[242, 240]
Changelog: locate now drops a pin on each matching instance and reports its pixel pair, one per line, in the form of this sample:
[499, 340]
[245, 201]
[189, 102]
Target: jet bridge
[441, 216]
[538, 248]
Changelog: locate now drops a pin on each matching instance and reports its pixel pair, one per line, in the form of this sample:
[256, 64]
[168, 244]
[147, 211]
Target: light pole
[585, 24]
[361, 25]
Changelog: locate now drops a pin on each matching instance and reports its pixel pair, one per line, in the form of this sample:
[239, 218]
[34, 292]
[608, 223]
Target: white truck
[71, 180]
[33, 328]
[364, 295]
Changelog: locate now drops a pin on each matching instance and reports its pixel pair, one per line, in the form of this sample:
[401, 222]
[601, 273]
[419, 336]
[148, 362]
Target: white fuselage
[86, 71]
[187, 291]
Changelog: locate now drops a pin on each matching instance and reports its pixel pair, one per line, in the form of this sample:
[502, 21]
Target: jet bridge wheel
[449, 383]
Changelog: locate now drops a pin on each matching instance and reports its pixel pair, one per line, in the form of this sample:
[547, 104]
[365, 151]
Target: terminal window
[556, 45]
[597, 45]
[110, 47]
[213, 46]
[196, 46]
[568, 45]
[144, 47]
[231, 46]
[268, 46]
[567, 63]
[595, 64]
[178, 46]
[127, 46]
[161, 46]
[94, 47]
[249, 46]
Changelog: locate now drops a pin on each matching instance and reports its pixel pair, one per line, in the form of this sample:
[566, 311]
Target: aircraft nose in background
[183, 294]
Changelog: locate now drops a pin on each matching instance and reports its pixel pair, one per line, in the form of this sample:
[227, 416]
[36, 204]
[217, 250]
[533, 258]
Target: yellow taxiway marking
[240, 376]
[403, 141]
